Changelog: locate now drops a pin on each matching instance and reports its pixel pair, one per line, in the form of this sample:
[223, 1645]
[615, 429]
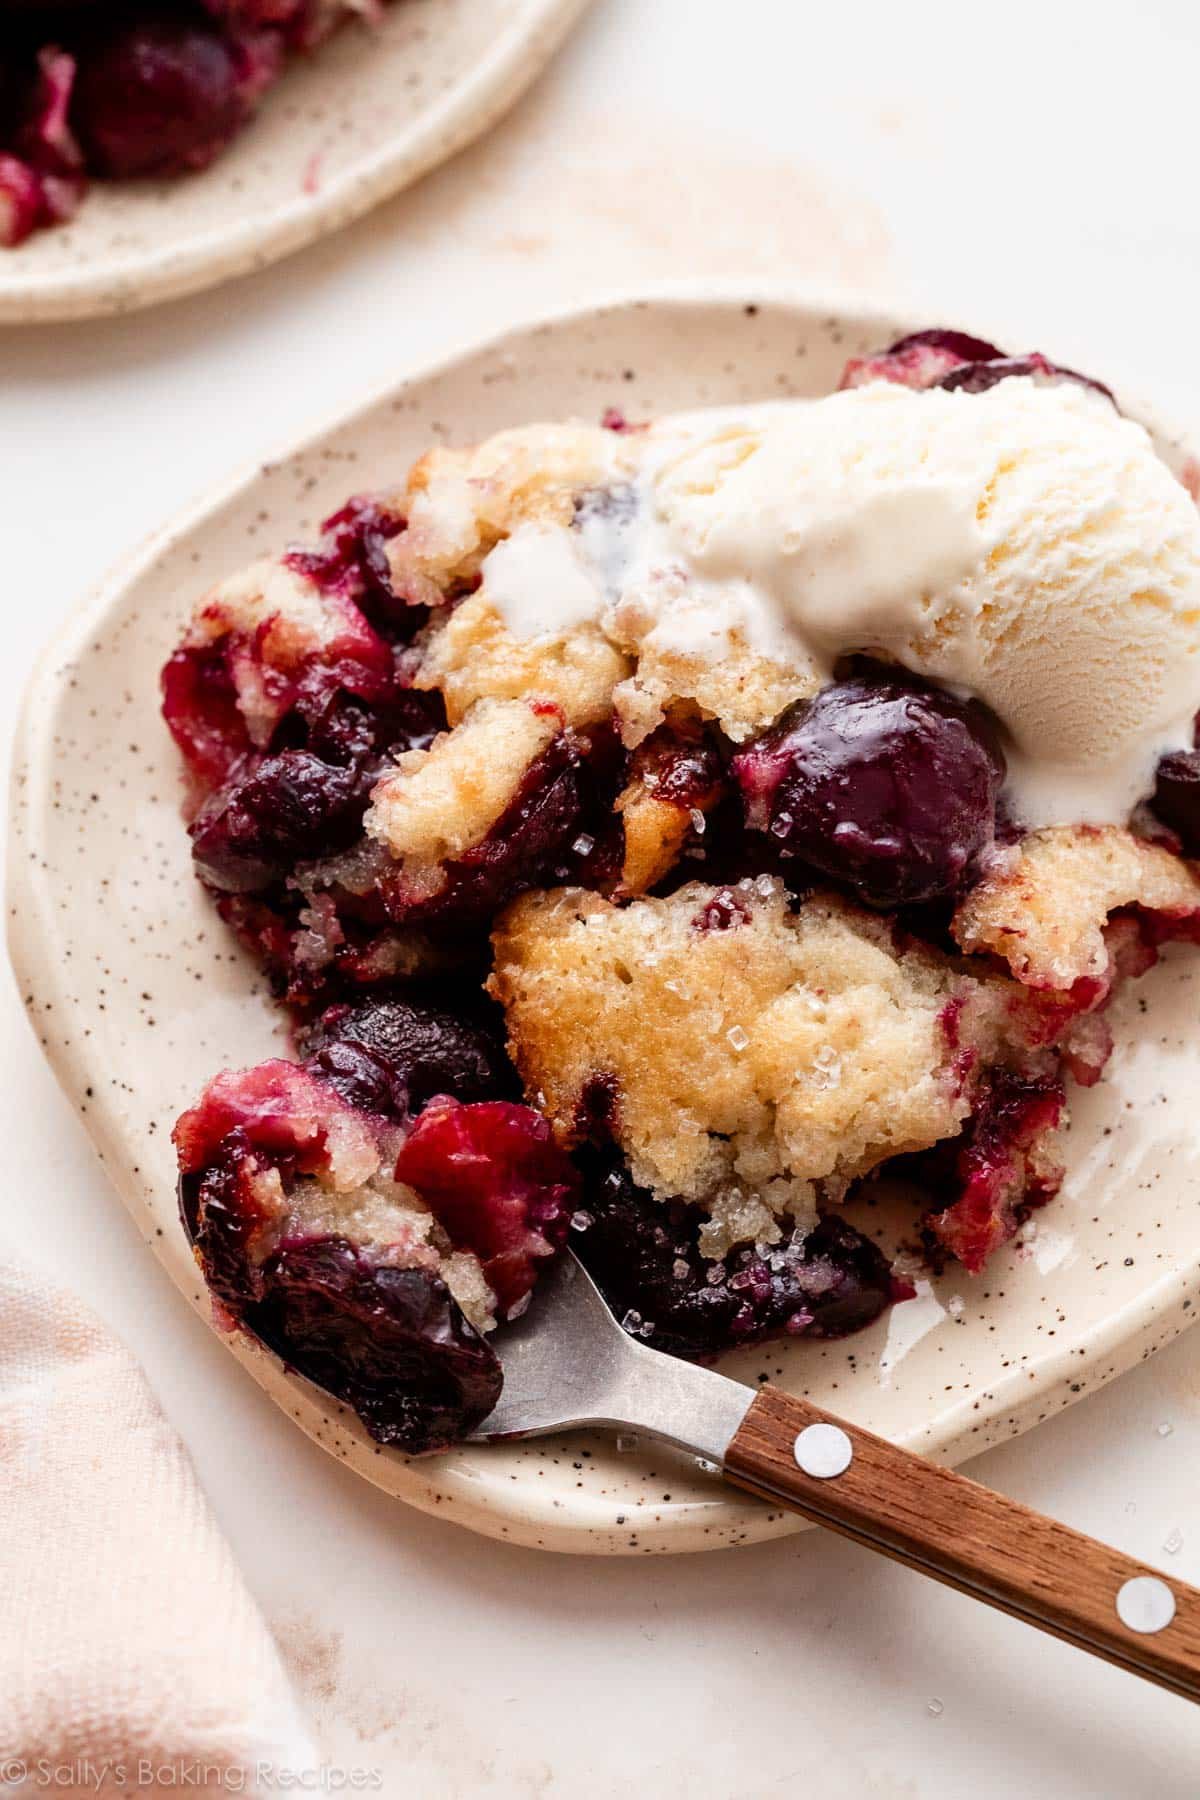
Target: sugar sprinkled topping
[826, 1067]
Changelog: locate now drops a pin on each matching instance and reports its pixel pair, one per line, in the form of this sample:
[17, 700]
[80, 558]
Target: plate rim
[466, 111]
[1130, 1332]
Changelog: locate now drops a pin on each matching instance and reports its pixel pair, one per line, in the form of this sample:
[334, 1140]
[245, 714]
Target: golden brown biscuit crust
[1045, 904]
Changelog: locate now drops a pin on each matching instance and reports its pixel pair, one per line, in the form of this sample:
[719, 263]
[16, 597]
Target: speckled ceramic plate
[138, 995]
[344, 129]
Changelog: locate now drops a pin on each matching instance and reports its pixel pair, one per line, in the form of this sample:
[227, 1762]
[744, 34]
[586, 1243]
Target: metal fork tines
[567, 1362]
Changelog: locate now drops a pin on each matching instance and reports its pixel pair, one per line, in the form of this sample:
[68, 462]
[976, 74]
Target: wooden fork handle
[970, 1538]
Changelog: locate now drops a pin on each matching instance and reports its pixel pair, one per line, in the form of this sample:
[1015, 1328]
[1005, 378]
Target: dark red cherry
[886, 784]
[499, 1185]
[21, 203]
[1176, 798]
[645, 1258]
[983, 1184]
[919, 360]
[283, 810]
[389, 1342]
[342, 1308]
[954, 343]
[392, 1056]
[159, 96]
[352, 562]
[954, 360]
[977, 377]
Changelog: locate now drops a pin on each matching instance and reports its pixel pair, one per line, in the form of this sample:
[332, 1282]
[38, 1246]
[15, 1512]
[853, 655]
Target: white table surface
[1037, 167]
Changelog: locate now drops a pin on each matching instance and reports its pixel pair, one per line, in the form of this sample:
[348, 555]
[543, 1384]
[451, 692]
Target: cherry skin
[158, 97]
[392, 1056]
[646, 1260]
[1176, 798]
[886, 785]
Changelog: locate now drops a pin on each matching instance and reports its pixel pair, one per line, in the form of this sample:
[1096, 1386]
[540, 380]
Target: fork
[568, 1363]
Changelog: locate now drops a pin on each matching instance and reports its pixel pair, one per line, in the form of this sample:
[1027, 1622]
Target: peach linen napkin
[130, 1642]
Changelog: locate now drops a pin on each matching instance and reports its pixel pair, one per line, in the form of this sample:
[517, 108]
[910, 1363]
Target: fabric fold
[132, 1641]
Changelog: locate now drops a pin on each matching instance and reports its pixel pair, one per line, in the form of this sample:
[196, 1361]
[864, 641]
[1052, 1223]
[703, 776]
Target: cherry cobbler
[659, 832]
[110, 92]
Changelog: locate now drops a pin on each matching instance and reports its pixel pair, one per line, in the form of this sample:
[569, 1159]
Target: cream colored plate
[138, 995]
[344, 129]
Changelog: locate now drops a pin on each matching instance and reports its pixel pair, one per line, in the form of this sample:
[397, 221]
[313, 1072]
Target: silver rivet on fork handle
[823, 1451]
[1145, 1604]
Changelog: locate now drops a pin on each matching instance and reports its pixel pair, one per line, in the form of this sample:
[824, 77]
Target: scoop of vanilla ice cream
[1025, 545]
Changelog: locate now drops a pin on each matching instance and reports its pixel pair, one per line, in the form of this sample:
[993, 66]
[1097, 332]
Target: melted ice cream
[1025, 546]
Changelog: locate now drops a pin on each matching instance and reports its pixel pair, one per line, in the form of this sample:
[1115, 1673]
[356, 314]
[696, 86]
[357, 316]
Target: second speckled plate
[345, 128]
[139, 996]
